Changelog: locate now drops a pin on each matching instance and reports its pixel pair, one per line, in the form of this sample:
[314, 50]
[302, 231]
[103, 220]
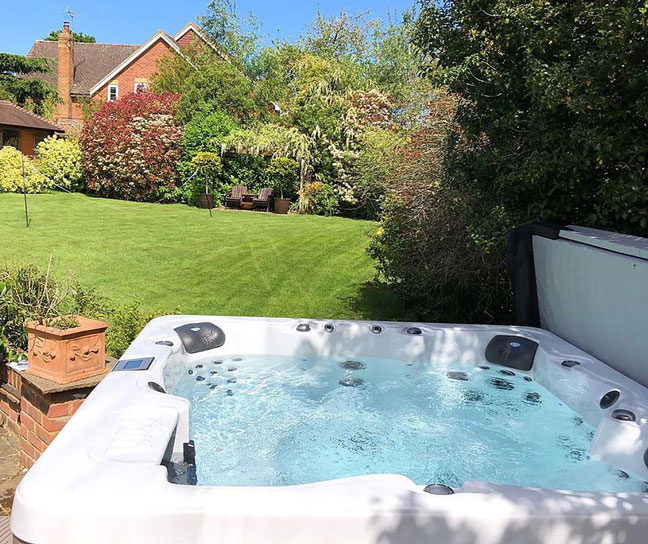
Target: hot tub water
[275, 421]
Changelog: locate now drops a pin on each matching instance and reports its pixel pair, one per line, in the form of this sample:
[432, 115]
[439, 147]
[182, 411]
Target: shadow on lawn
[379, 302]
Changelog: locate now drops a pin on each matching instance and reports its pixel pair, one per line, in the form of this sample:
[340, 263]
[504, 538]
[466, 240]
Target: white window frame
[110, 87]
[138, 83]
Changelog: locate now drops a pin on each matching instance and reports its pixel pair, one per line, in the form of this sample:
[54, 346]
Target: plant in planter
[207, 168]
[282, 174]
[62, 348]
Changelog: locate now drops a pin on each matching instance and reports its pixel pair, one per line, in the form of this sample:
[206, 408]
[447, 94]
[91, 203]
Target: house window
[113, 93]
[140, 87]
[10, 137]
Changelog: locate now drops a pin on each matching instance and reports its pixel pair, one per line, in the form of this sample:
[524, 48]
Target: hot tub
[123, 468]
[255, 430]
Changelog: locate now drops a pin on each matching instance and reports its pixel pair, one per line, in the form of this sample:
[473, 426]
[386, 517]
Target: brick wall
[142, 68]
[187, 39]
[36, 415]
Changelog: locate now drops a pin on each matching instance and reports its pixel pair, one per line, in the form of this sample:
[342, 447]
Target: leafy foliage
[205, 178]
[423, 248]
[205, 132]
[29, 293]
[552, 121]
[270, 139]
[78, 37]
[31, 92]
[207, 84]
[26, 293]
[311, 101]
[237, 38]
[318, 198]
[60, 160]
[283, 174]
[13, 164]
[131, 147]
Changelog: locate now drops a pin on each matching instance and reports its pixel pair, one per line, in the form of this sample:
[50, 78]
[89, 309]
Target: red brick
[27, 421]
[35, 441]
[59, 410]
[26, 460]
[27, 448]
[44, 435]
[34, 412]
[144, 67]
[54, 424]
[13, 426]
[23, 431]
[75, 405]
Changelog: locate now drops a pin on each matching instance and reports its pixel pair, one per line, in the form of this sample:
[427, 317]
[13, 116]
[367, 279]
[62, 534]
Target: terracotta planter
[281, 205]
[69, 355]
[206, 201]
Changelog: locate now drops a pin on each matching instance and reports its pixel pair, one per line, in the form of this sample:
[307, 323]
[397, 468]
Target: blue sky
[133, 21]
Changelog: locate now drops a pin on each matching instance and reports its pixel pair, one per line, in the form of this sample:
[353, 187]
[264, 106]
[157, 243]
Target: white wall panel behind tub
[597, 300]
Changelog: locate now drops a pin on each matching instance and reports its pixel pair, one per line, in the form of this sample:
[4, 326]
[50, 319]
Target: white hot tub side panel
[596, 299]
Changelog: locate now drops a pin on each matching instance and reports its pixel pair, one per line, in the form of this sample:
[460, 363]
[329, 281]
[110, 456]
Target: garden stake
[25, 193]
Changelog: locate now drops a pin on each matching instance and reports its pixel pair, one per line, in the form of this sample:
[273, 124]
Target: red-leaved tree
[131, 147]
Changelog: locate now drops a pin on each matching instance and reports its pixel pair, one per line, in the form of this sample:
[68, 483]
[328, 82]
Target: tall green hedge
[554, 111]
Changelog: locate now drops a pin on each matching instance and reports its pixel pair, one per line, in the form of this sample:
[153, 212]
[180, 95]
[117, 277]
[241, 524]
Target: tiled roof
[14, 116]
[92, 61]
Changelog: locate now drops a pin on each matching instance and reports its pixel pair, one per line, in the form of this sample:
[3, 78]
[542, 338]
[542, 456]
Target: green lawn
[176, 257]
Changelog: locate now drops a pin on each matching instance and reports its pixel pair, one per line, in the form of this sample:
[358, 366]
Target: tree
[78, 37]
[552, 120]
[25, 92]
[423, 248]
[237, 38]
[205, 82]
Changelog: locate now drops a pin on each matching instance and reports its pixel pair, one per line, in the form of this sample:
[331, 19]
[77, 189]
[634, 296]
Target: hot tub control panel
[134, 364]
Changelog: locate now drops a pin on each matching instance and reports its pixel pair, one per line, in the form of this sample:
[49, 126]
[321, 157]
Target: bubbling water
[272, 421]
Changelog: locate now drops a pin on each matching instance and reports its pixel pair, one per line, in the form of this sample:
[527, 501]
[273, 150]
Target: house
[96, 72]
[23, 130]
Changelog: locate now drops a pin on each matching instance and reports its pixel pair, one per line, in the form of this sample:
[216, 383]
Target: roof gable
[193, 27]
[92, 61]
[159, 35]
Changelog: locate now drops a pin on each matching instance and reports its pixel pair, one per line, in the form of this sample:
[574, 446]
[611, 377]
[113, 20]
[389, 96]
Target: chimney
[65, 77]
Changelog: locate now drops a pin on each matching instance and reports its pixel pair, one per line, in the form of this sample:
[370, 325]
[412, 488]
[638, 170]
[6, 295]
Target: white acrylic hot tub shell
[101, 480]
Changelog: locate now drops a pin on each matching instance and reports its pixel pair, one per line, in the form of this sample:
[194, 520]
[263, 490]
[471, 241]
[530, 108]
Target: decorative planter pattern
[69, 355]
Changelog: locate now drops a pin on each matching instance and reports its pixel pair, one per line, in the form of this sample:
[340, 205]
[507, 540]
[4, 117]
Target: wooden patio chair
[235, 197]
[264, 200]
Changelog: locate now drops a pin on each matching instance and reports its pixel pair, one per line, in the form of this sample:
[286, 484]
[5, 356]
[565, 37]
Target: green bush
[126, 322]
[205, 131]
[60, 160]
[248, 170]
[30, 293]
[203, 175]
[318, 198]
[283, 174]
[423, 248]
[374, 167]
[11, 173]
[552, 122]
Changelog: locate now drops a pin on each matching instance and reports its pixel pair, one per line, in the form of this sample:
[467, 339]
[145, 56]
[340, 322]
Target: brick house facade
[96, 72]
